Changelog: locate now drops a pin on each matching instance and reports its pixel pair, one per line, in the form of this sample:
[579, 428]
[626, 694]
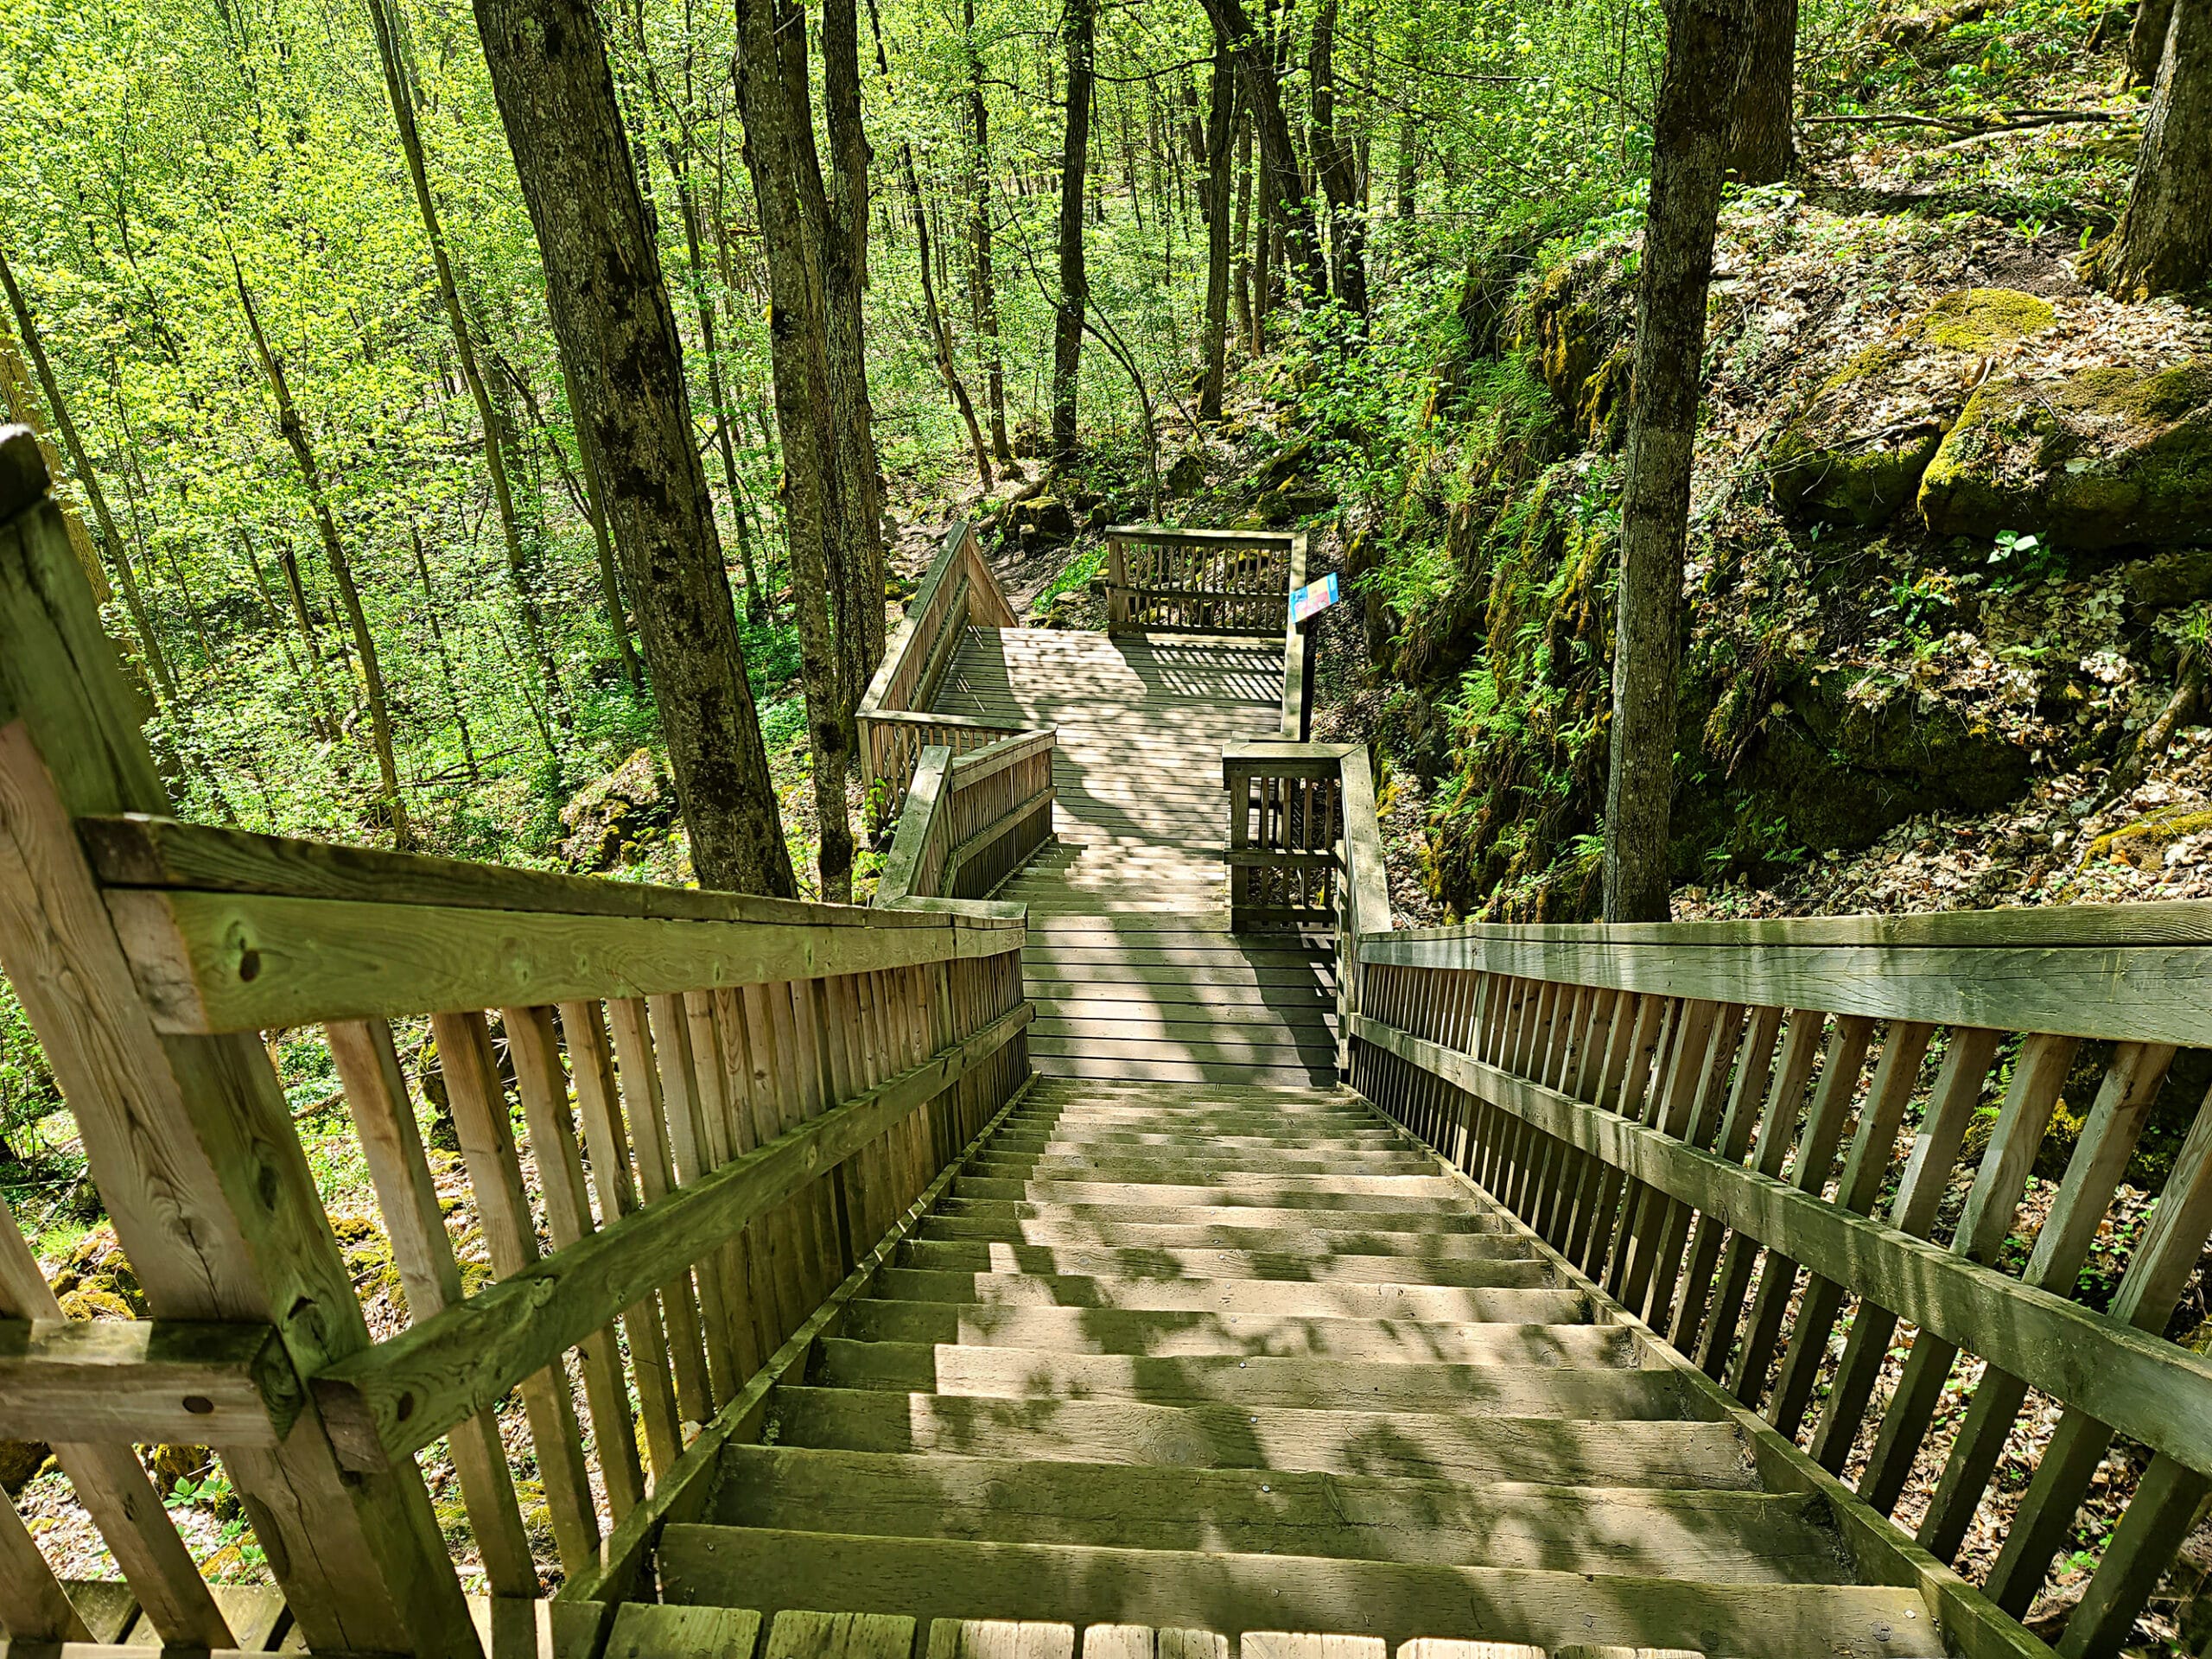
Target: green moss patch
[1982, 319]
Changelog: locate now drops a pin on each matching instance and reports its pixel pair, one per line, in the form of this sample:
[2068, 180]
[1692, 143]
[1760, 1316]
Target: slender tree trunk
[1221, 114]
[1268, 237]
[1248, 316]
[2164, 245]
[1076, 25]
[1408, 166]
[619, 347]
[587, 497]
[1762, 147]
[2146, 43]
[1707, 45]
[318, 715]
[398, 81]
[984, 295]
[844, 278]
[779, 152]
[1339, 173]
[149, 645]
[1285, 198]
[341, 570]
[445, 659]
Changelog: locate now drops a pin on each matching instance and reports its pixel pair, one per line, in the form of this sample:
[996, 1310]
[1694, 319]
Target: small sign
[1312, 598]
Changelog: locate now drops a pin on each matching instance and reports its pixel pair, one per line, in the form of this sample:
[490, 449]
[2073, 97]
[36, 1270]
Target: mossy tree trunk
[1337, 170]
[1284, 199]
[1077, 26]
[2164, 245]
[624, 362]
[1221, 114]
[1707, 47]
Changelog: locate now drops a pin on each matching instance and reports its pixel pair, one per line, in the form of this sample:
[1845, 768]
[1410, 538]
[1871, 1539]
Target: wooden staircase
[1131, 961]
[1243, 1360]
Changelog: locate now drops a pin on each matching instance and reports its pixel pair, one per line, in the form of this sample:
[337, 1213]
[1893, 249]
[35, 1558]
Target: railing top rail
[2174, 922]
[978, 764]
[1277, 540]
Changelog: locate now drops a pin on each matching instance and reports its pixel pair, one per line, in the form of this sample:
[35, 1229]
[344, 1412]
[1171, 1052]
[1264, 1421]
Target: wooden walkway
[1130, 962]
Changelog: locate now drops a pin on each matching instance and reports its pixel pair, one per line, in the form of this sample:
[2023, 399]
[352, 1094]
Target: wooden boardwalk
[1131, 961]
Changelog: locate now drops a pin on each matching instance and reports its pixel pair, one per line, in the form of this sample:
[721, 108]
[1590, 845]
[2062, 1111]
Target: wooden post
[188, 1138]
[1117, 585]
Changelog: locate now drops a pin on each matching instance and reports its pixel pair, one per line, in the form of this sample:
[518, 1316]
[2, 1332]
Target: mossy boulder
[2110, 457]
[1858, 452]
[1576, 328]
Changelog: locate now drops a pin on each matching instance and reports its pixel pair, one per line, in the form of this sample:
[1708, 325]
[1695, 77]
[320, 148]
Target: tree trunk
[149, 645]
[779, 152]
[1340, 176]
[2164, 245]
[2146, 43]
[445, 659]
[1221, 119]
[1247, 317]
[940, 335]
[619, 346]
[1707, 45]
[984, 296]
[587, 497]
[398, 81]
[341, 570]
[1285, 199]
[1762, 148]
[1076, 23]
[844, 277]
[22, 408]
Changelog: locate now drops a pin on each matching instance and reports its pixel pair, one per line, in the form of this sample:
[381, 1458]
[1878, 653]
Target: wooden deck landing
[1131, 961]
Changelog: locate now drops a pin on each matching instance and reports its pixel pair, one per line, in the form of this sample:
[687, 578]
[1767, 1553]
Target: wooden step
[1415, 1220]
[1232, 1593]
[1720, 1536]
[1503, 1271]
[1414, 1445]
[1599, 1393]
[1177, 1333]
[1198, 1042]
[1444, 1304]
[1070, 1133]
[1307, 1244]
[1271, 1191]
[1191, 1161]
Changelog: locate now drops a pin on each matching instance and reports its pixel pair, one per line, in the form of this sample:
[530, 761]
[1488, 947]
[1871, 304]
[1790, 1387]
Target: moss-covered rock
[1576, 326]
[1859, 452]
[2109, 458]
[2161, 582]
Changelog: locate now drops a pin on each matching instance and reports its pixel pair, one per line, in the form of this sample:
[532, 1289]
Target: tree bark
[2146, 43]
[984, 294]
[398, 81]
[1077, 26]
[294, 433]
[1408, 165]
[779, 154]
[1285, 198]
[1762, 147]
[23, 408]
[149, 645]
[860, 593]
[619, 346]
[2164, 245]
[1221, 120]
[1706, 48]
[1340, 176]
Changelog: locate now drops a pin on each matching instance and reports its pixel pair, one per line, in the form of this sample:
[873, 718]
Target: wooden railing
[1681, 1110]
[1163, 579]
[895, 724]
[683, 1118]
[970, 820]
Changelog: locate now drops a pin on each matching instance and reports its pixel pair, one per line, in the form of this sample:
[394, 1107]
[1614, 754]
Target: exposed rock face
[1188, 476]
[1859, 451]
[1577, 325]
[608, 820]
[2108, 458]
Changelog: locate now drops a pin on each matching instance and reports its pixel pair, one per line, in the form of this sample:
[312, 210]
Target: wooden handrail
[969, 820]
[763, 1086]
[960, 591]
[1161, 579]
[1666, 1104]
